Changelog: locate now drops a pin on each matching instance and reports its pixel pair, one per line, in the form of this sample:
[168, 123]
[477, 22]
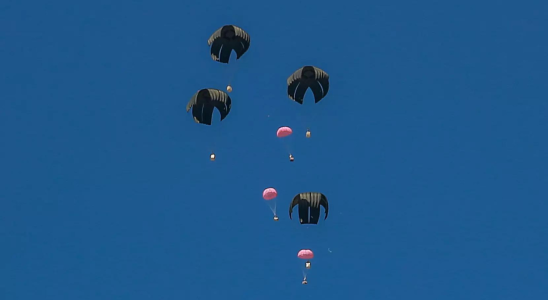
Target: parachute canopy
[305, 254]
[283, 132]
[307, 77]
[270, 193]
[226, 39]
[203, 103]
[309, 203]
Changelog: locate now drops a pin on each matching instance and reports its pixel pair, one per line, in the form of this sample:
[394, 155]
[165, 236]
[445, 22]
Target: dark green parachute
[307, 77]
[309, 202]
[226, 39]
[203, 103]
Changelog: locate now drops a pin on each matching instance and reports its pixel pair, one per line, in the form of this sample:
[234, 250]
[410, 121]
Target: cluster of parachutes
[232, 38]
[309, 205]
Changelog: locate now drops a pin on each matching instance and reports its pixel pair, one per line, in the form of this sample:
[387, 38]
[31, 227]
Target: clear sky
[430, 146]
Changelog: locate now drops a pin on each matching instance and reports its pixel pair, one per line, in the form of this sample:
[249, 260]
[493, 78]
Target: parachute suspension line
[306, 110]
[273, 206]
[224, 74]
[214, 136]
[285, 144]
[232, 70]
[218, 130]
[288, 149]
[305, 275]
[315, 114]
[212, 140]
[300, 115]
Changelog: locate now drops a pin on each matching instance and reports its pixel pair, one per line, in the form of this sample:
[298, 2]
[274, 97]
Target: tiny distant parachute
[307, 77]
[305, 254]
[203, 103]
[283, 132]
[269, 194]
[226, 39]
[309, 207]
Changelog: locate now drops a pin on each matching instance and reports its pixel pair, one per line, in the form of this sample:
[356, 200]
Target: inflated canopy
[309, 207]
[307, 77]
[203, 103]
[226, 39]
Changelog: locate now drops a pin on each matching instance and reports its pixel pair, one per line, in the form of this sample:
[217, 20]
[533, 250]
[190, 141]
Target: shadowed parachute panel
[309, 202]
[226, 39]
[203, 103]
[307, 77]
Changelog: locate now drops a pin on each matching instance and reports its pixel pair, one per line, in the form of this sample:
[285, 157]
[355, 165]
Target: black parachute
[307, 77]
[226, 39]
[203, 103]
[309, 202]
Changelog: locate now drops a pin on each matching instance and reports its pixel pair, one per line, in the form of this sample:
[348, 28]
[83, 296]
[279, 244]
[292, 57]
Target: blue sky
[430, 146]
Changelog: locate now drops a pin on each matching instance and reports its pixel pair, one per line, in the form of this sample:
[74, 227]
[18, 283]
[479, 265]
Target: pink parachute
[283, 132]
[270, 193]
[305, 254]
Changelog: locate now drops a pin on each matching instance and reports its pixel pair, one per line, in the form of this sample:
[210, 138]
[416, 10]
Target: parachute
[283, 132]
[270, 194]
[203, 103]
[226, 39]
[309, 202]
[308, 255]
[307, 77]
[305, 254]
